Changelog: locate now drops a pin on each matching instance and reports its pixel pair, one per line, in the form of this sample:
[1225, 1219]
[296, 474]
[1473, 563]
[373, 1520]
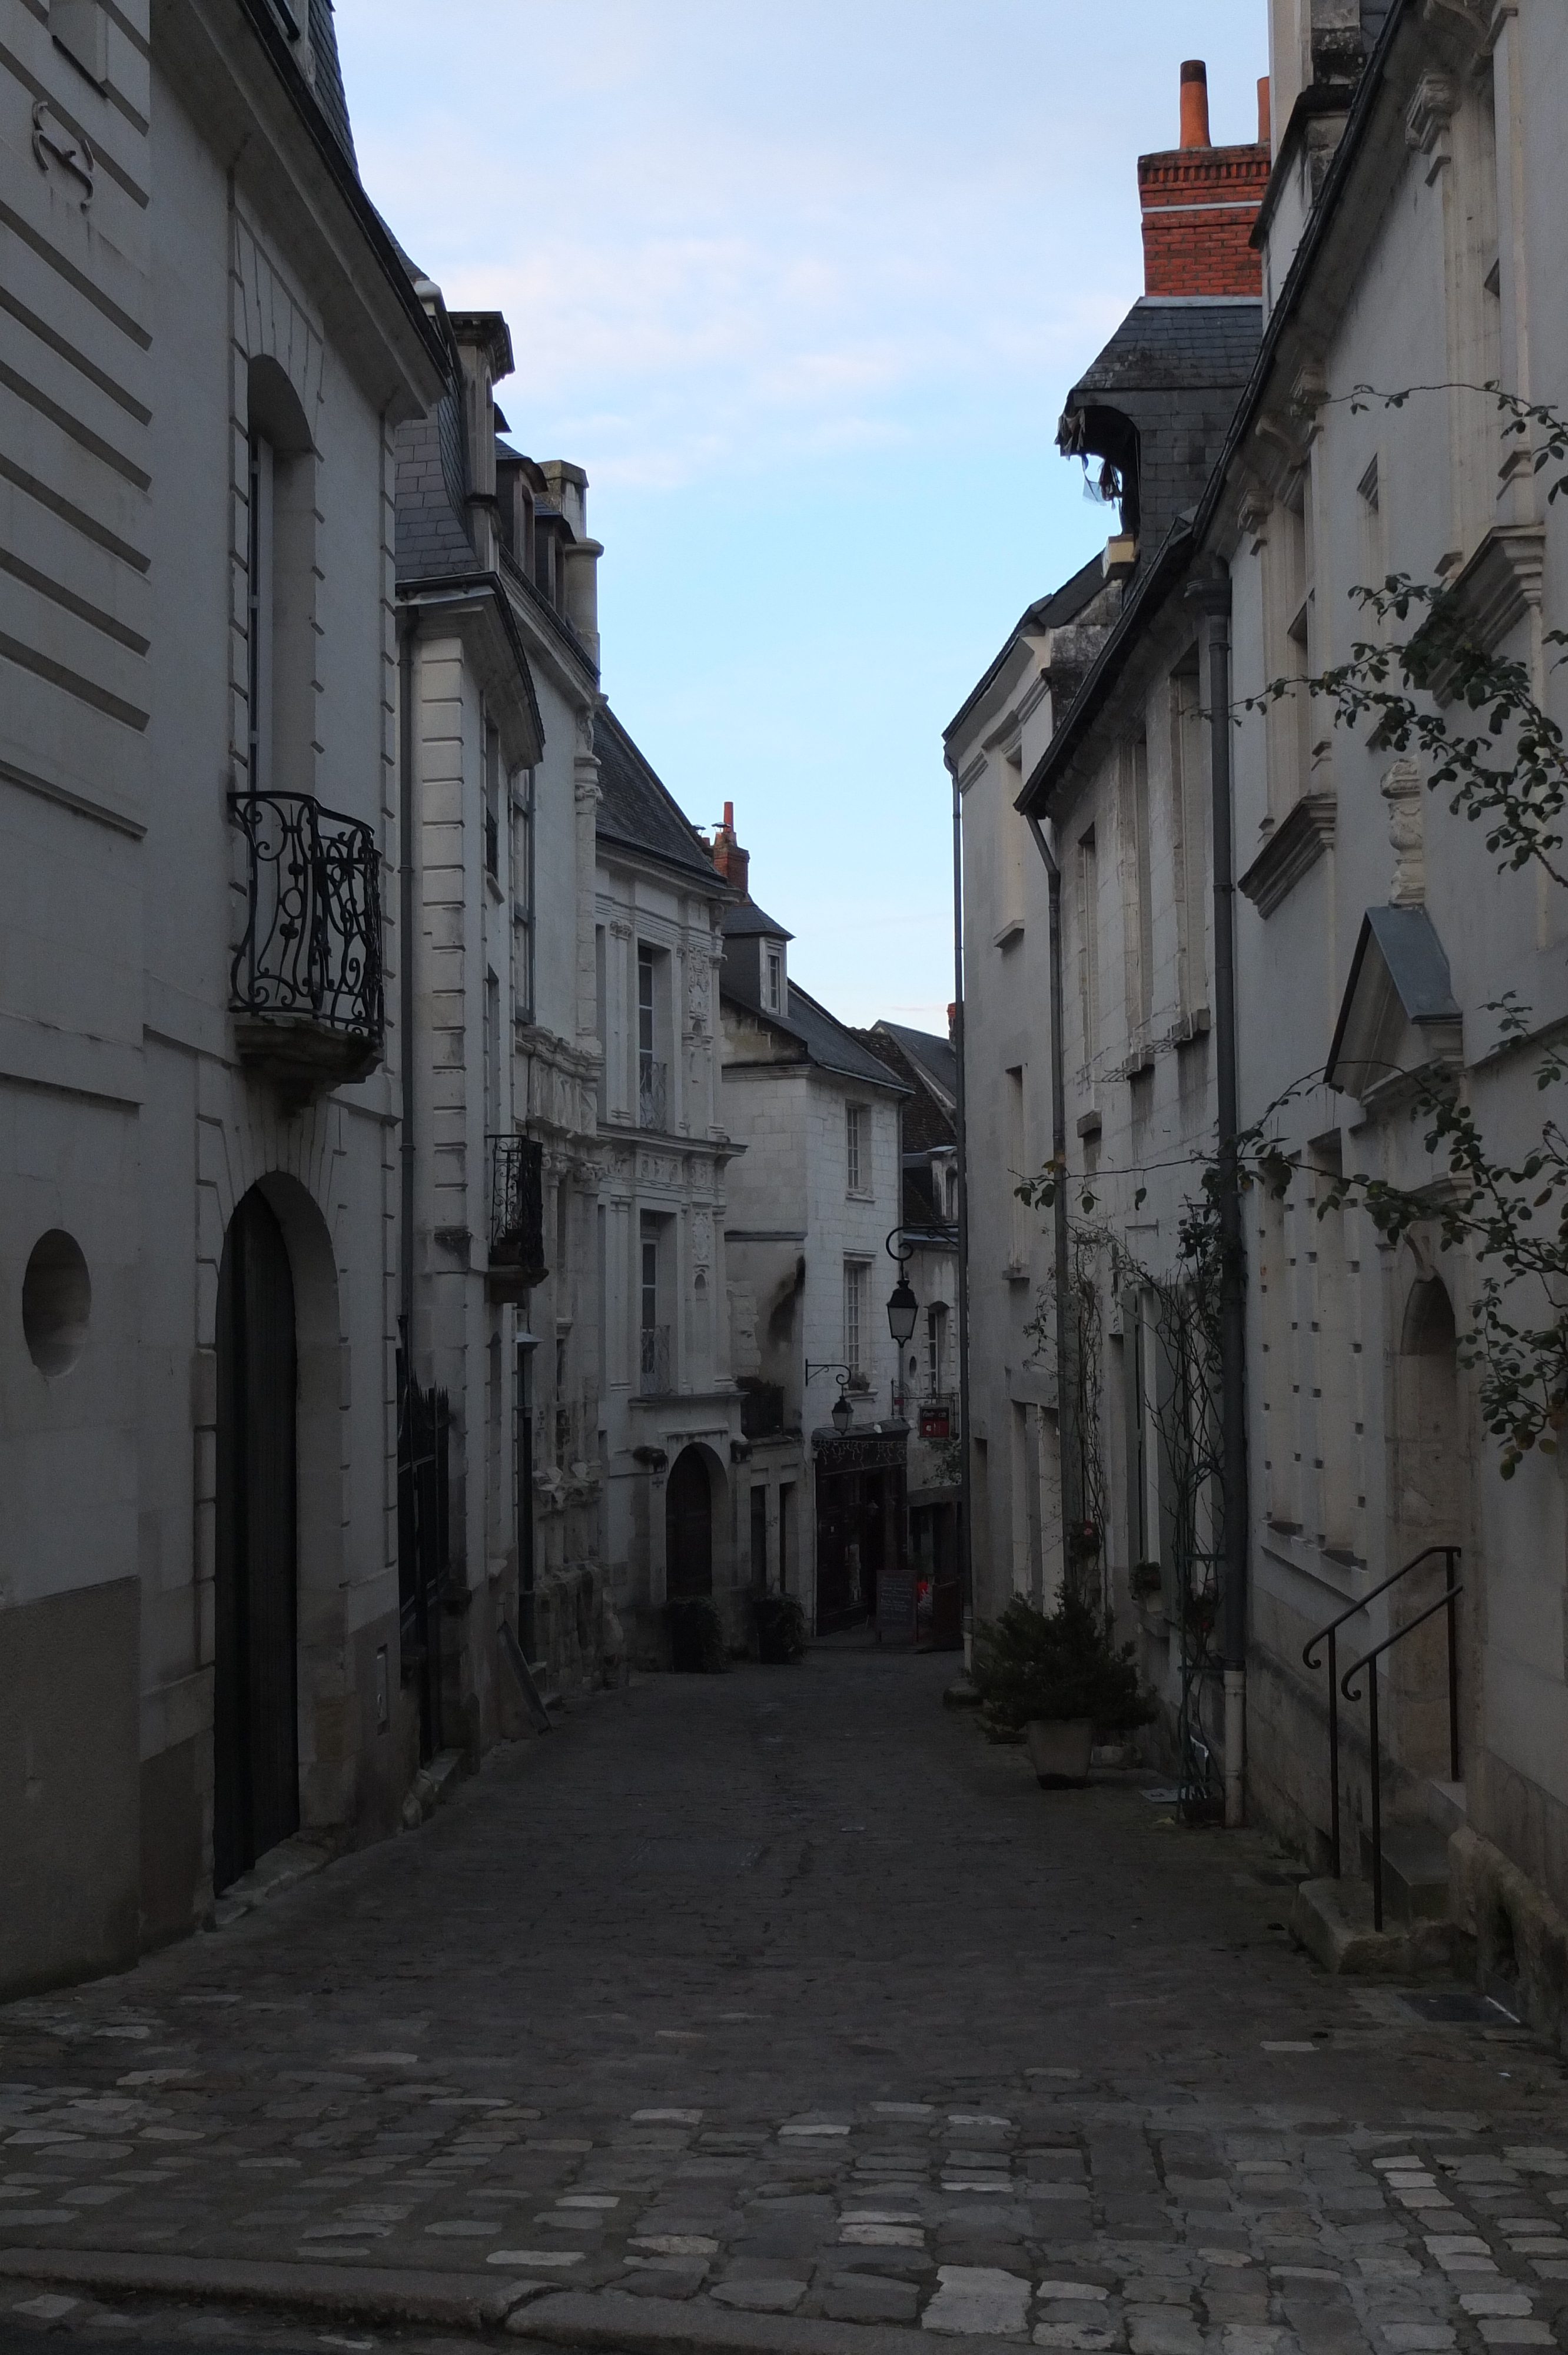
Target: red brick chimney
[732, 863]
[1199, 202]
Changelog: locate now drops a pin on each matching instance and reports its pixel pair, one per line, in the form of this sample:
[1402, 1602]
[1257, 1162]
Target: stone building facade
[671, 1439]
[812, 1202]
[199, 1576]
[1404, 241]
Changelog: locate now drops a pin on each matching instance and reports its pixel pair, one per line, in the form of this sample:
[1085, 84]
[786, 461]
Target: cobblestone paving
[780, 1994]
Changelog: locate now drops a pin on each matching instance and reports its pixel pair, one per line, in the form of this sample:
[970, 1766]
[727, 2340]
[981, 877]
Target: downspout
[407, 630]
[1066, 1322]
[1212, 594]
[966, 1521]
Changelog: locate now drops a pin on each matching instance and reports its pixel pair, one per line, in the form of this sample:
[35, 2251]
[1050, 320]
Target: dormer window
[773, 980]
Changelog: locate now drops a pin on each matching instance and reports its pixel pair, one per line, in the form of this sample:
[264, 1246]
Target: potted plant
[780, 1629]
[696, 1639]
[1052, 1679]
[1147, 1581]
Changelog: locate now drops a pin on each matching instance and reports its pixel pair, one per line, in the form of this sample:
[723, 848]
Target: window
[652, 1108]
[493, 802]
[1088, 880]
[1289, 723]
[1019, 1216]
[1139, 916]
[854, 1317]
[655, 1371]
[935, 1348]
[773, 979]
[1189, 827]
[281, 651]
[786, 1517]
[492, 1055]
[854, 1149]
[950, 1192]
[523, 887]
[650, 1280]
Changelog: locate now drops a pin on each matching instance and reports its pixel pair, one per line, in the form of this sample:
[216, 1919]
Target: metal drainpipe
[966, 1522]
[407, 630]
[1066, 1325]
[1212, 594]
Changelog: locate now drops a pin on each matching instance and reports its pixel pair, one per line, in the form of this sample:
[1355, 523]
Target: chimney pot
[1195, 103]
[729, 816]
[1265, 132]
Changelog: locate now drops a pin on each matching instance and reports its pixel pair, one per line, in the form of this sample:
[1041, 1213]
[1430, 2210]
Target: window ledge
[1010, 931]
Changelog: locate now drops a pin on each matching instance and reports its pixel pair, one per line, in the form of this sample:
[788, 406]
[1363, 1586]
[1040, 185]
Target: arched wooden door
[256, 1776]
[689, 1526]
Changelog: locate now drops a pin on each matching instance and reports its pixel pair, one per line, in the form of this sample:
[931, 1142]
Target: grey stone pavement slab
[775, 2011]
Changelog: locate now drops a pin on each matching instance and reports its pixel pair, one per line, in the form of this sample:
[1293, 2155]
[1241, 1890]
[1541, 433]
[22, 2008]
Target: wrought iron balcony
[517, 1216]
[652, 1093]
[306, 981]
[653, 1362]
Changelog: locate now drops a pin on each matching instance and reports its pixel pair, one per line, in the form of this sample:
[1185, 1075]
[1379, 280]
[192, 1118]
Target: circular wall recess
[57, 1301]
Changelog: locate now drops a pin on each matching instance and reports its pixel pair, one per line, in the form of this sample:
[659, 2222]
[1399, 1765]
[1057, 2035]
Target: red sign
[934, 1422]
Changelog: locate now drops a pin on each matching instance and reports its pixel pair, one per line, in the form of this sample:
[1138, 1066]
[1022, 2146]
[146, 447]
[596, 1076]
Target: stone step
[1414, 1872]
[1333, 1920]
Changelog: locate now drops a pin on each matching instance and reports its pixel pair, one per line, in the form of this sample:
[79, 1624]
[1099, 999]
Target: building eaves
[1150, 586]
[1049, 613]
[335, 149]
[747, 920]
[827, 1043]
[440, 585]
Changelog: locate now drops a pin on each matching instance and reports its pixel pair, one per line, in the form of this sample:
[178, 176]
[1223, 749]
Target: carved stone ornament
[1402, 789]
[701, 1238]
[697, 1000]
[1427, 117]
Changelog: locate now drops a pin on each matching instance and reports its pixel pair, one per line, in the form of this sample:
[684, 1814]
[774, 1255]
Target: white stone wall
[132, 1122]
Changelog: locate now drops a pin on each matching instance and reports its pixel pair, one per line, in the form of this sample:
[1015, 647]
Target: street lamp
[843, 1413]
[902, 1308]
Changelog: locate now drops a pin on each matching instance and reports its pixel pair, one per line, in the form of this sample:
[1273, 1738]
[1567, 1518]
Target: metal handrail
[1451, 1555]
[1445, 1602]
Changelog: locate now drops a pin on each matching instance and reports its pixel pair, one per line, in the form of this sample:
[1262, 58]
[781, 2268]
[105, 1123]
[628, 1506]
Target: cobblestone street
[775, 2009]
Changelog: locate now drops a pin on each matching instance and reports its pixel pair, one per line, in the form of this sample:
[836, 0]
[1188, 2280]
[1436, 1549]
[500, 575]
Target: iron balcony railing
[652, 1093]
[517, 1207]
[654, 1361]
[310, 950]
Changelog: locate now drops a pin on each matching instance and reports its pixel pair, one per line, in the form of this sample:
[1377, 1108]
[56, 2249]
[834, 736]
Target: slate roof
[638, 811]
[1172, 373]
[827, 1042]
[746, 918]
[329, 90]
[432, 538]
[934, 1058]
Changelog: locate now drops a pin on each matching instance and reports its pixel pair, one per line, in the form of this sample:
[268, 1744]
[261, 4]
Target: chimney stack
[1200, 203]
[732, 863]
[1195, 103]
[1264, 128]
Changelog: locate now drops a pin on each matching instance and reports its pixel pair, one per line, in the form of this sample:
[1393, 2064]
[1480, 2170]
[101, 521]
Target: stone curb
[365, 2293]
[642, 2326]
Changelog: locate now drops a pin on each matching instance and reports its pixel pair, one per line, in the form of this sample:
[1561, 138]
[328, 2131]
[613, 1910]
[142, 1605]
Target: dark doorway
[862, 1525]
[689, 1526]
[256, 1763]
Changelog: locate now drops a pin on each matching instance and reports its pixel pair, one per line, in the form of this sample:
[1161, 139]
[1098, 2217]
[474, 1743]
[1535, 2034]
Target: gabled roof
[638, 812]
[1398, 1012]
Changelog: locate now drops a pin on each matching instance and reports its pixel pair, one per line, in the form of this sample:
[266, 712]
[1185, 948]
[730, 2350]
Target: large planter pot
[1059, 1750]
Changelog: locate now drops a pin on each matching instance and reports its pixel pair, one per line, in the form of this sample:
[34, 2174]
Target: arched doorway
[689, 1526]
[256, 1765]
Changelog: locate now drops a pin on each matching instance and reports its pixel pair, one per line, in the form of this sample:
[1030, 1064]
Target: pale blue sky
[801, 286]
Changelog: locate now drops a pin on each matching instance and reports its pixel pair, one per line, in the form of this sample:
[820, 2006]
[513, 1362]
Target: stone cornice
[1295, 847]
